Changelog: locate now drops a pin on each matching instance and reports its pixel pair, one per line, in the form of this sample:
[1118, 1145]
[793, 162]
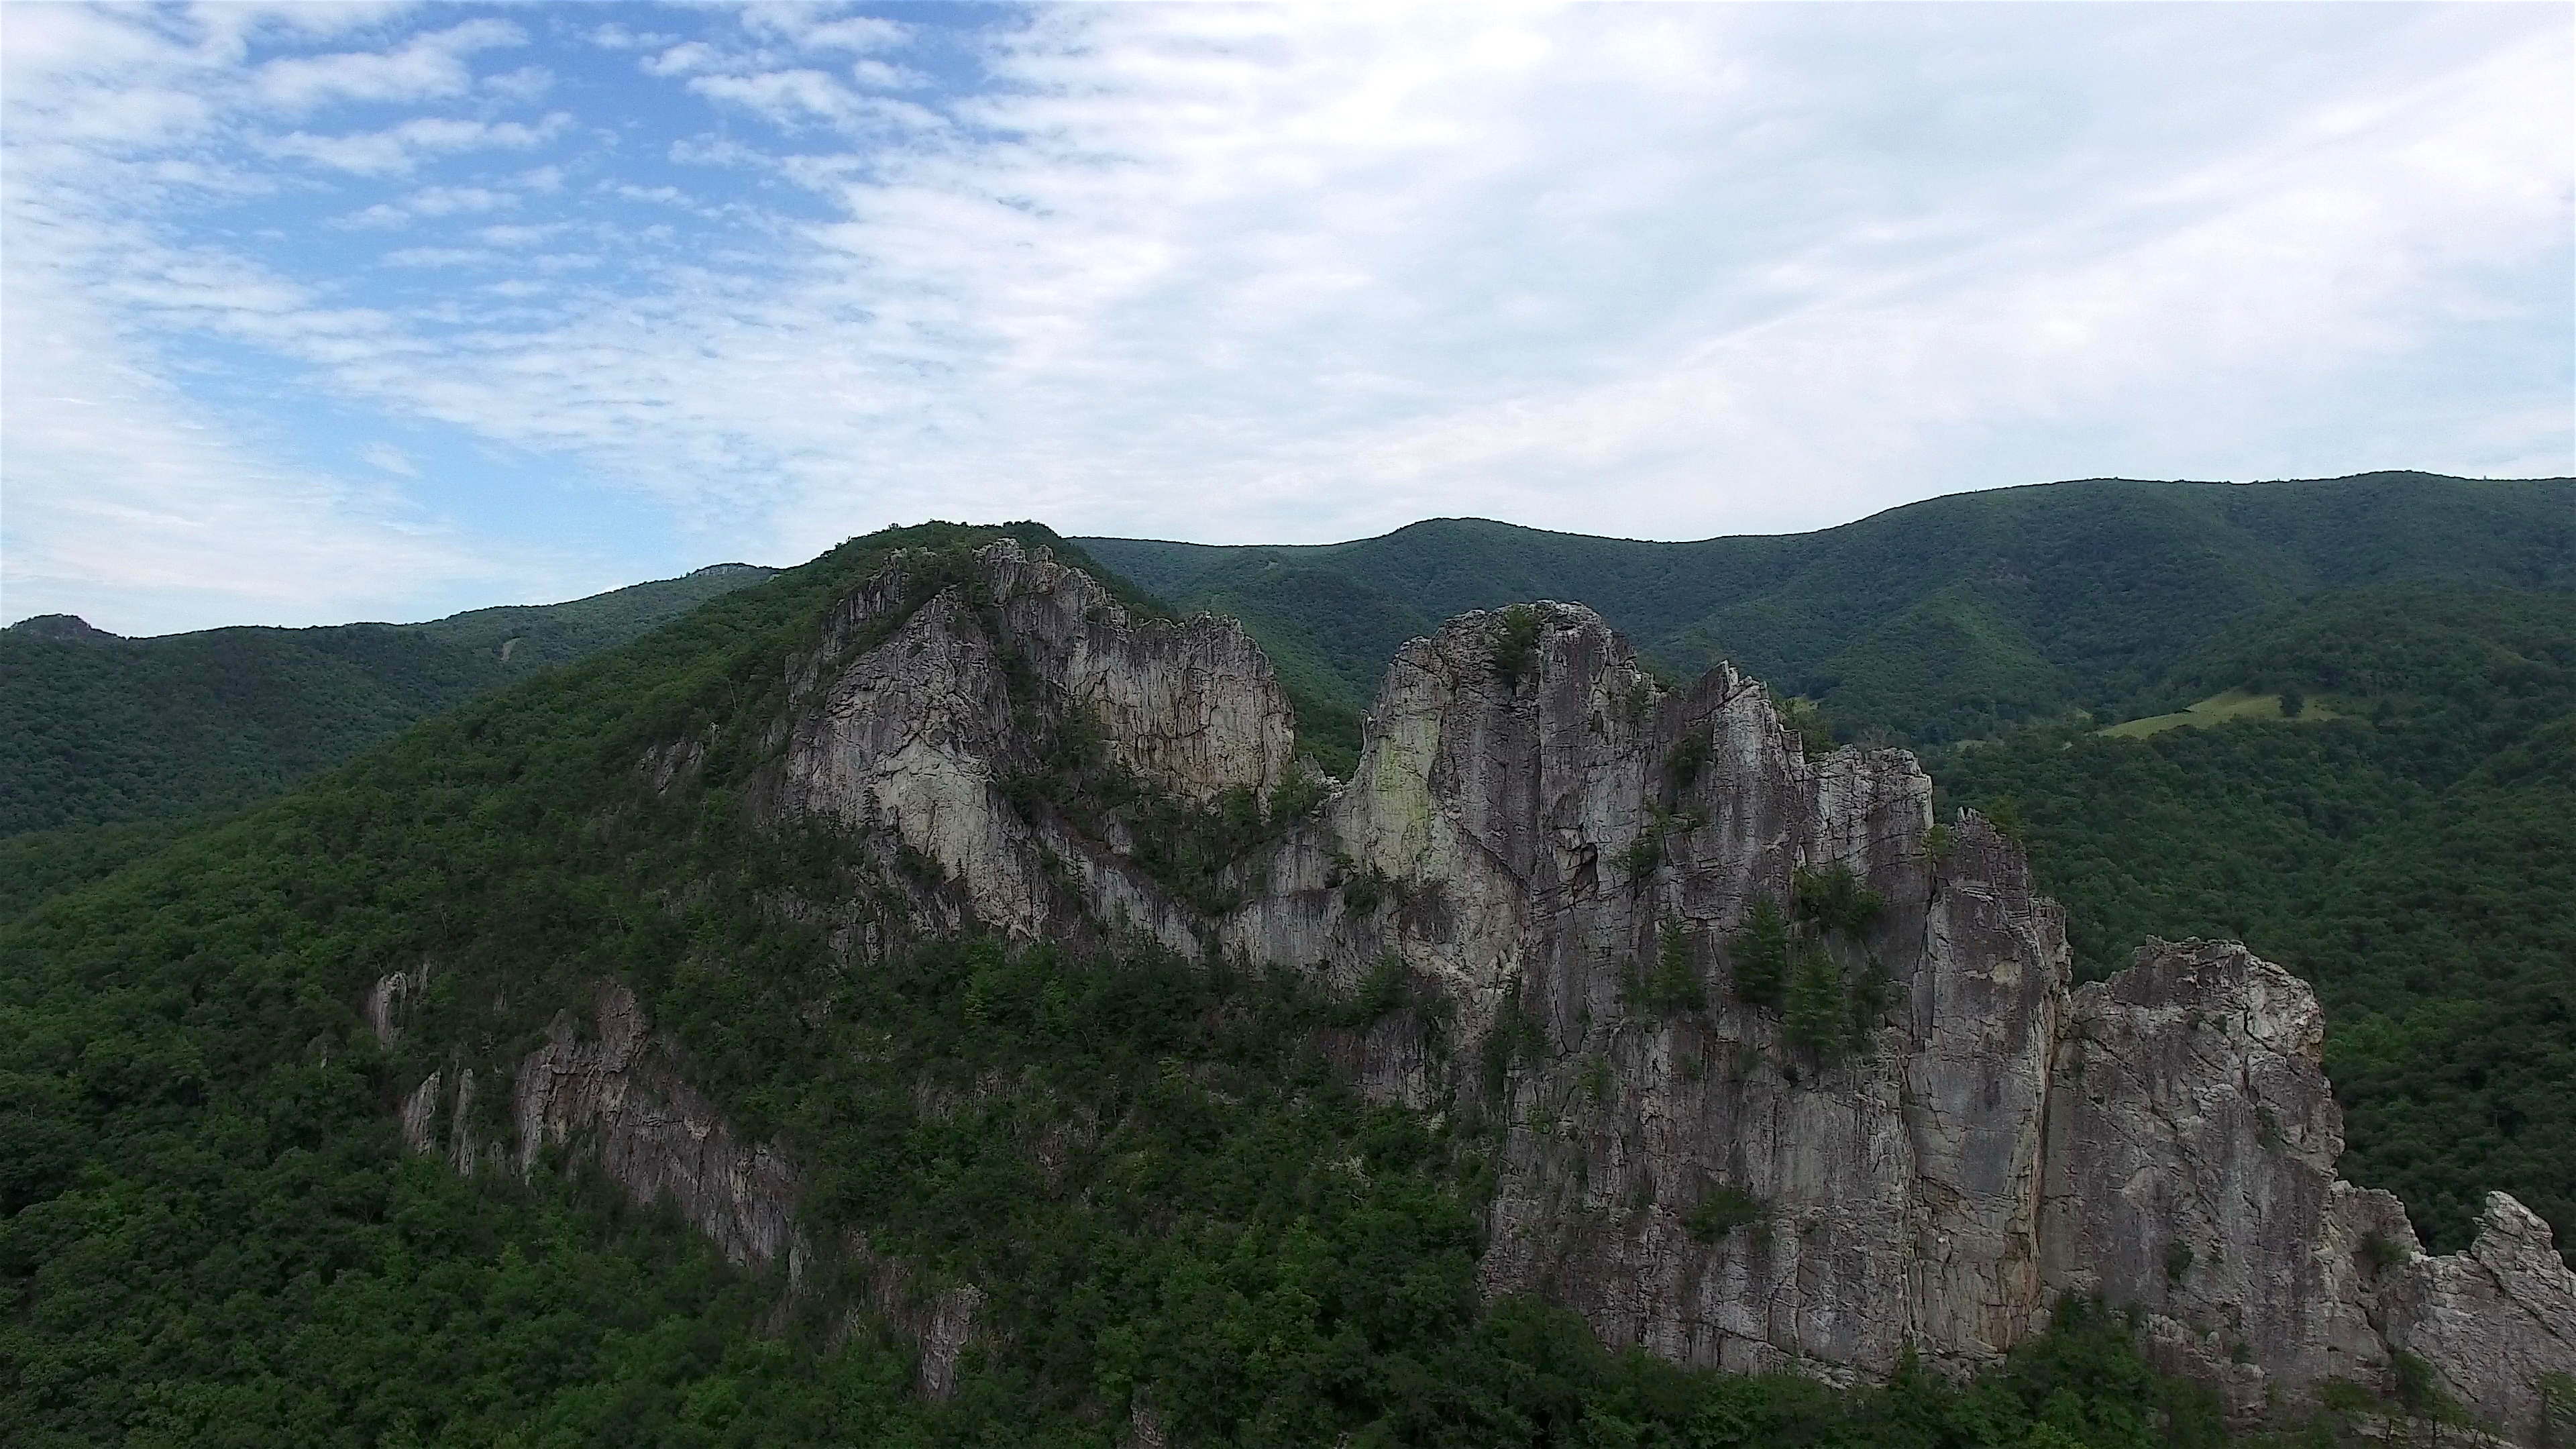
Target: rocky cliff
[1780, 1074]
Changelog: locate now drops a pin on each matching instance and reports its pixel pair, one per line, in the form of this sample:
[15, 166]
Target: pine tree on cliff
[1760, 954]
[1813, 1018]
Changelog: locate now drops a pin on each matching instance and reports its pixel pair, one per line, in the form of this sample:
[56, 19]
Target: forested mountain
[1150, 1166]
[1941, 620]
[95, 729]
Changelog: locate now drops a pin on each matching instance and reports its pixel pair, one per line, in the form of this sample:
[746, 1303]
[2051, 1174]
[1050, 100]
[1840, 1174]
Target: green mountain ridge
[96, 729]
[2405, 857]
[1947, 619]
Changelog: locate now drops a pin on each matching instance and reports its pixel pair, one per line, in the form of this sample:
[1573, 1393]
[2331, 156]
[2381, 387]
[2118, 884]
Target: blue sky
[317, 313]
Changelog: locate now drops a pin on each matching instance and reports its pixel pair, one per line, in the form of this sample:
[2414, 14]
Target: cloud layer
[781, 274]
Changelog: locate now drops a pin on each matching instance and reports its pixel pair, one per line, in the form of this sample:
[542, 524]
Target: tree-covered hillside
[1942, 620]
[95, 729]
[209, 1233]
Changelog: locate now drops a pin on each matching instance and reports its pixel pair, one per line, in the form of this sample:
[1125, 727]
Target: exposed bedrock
[2192, 1140]
[910, 726]
[1552, 835]
[600, 1089]
[595, 1088]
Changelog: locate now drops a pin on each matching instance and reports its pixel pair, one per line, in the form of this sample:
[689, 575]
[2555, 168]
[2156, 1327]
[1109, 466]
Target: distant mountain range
[96, 729]
[1945, 620]
[1942, 620]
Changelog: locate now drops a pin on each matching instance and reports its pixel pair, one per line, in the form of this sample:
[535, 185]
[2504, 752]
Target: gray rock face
[2491, 1321]
[1546, 834]
[656, 1135]
[2191, 1149]
[913, 728]
[389, 1001]
[2192, 1140]
[1557, 850]
[1540, 832]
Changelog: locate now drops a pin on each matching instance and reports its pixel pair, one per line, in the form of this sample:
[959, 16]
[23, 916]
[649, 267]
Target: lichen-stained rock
[1191, 705]
[1982, 1020]
[655, 1135]
[939, 1321]
[1551, 822]
[2492, 1321]
[419, 1115]
[389, 1001]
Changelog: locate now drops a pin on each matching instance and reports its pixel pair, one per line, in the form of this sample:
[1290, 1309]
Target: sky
[317, 313]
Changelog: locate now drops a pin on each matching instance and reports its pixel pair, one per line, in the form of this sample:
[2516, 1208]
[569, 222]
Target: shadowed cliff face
[1920, 1142]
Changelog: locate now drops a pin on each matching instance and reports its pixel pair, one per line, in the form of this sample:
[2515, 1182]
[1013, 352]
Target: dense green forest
[1943, 620]
[212, 1236]
[95, 729]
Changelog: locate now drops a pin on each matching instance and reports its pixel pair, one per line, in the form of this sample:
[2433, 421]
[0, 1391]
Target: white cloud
[432, 201]
[525, 86]
[389, 458]
[686, 58]
[520, 236]
[887, 77]
[427, 67]
[804, 27]
[143, 512]
[795, 98]
[1226, 276]
[439, 257]
[618, 37]
[130, 501]
[397, 150]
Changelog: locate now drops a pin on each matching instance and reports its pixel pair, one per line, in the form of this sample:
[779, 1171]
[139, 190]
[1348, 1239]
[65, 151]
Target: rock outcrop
[1563, 857]
[2493, 1321]
[2192, 1141]
[1535, 828]
[605, 1094]
[916, 726]
[597, 1089]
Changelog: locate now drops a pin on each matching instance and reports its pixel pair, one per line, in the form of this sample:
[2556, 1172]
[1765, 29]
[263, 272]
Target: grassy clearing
[2235, 704]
